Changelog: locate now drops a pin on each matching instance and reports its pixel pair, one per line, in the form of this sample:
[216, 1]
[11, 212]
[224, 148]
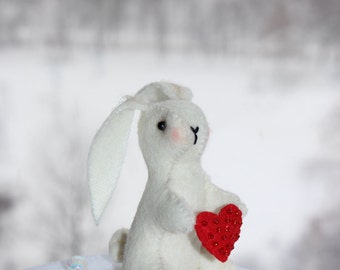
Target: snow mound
[102, 262]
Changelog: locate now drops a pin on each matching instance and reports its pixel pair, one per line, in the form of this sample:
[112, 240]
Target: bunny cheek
[176, 135]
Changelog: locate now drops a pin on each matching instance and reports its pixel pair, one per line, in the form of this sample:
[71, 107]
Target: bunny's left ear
[107, 153]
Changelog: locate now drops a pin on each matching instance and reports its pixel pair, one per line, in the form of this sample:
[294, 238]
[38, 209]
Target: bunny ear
[107, 154]
[161, 91]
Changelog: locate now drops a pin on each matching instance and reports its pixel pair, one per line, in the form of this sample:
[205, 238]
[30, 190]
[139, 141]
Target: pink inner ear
[176, 135]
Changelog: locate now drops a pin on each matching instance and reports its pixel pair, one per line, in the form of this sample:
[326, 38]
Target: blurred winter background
[265, 72]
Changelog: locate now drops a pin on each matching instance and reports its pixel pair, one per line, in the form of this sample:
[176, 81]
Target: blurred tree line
[227, 26]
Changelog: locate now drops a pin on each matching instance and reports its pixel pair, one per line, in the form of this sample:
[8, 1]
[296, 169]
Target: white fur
[162, 234]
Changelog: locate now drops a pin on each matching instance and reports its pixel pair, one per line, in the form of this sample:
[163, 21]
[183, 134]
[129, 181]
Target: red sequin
[225, 227]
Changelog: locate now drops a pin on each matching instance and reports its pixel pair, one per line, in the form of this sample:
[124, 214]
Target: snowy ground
[265, 117]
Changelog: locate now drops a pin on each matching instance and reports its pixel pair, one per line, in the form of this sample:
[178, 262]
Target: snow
[265, 117]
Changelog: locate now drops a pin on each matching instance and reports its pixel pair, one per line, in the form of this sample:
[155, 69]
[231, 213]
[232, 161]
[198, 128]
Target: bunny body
[172, 136]
[176, 191]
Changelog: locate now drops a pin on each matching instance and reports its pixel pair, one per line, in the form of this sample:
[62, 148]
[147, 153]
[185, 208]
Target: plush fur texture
[162, 234]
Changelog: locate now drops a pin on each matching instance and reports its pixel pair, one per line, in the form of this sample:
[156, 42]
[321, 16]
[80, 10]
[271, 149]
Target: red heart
[218, 233]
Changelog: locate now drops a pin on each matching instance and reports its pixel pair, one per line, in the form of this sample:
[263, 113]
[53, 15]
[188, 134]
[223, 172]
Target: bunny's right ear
[161, 91]
[107, 153]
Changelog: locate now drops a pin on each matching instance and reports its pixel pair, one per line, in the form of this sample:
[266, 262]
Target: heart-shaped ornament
[219, 232]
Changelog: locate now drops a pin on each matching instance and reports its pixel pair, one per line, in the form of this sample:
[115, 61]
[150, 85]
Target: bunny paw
[174, 214]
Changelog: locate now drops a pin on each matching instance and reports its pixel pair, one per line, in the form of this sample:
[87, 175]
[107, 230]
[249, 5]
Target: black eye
[161, 125]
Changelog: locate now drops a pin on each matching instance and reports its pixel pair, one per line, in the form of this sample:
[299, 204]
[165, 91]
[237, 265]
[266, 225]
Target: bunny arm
[173, 213]
[217, 198]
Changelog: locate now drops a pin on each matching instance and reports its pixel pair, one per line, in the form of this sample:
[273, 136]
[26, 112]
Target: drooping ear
[106, 155]
[161, 91]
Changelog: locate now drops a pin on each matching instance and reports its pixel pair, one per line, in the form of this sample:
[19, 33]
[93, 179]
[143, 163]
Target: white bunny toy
[172, 229]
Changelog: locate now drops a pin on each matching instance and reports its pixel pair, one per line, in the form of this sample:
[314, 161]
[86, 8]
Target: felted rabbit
[169, 228]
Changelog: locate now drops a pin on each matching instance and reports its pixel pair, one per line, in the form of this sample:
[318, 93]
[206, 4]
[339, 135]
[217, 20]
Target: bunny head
[171, 128]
